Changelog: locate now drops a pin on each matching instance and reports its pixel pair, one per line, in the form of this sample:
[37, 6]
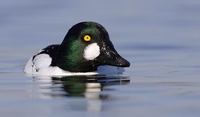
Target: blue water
[160, 38]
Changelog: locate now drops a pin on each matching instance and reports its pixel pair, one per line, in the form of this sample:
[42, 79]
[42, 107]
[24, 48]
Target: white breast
[40, 62]
[40, 65]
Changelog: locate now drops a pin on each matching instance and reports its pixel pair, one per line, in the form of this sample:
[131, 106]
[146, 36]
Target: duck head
[85, 47]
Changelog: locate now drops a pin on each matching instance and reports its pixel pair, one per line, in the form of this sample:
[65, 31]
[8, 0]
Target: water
[160, 39]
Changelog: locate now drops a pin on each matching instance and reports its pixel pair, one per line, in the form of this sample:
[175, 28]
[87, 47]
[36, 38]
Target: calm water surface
[160, 38]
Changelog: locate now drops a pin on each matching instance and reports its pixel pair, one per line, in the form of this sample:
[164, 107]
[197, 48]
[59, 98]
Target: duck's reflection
[86, 86]
[90, 87]
[81, 86]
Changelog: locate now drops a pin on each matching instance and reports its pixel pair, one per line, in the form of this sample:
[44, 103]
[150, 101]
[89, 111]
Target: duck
[85, 47]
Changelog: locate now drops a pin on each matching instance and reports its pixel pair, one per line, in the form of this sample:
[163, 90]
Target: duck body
[85, 47]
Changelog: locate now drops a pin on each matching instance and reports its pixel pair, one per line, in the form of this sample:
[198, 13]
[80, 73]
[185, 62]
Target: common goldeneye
[85, 47]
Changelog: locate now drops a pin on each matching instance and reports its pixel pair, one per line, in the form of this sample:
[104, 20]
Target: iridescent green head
[85, 47]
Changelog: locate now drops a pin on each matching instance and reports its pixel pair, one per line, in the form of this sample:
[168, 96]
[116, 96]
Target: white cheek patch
[91, 51]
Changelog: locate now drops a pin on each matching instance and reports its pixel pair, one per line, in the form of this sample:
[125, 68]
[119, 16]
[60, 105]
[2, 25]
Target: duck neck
[70, 58]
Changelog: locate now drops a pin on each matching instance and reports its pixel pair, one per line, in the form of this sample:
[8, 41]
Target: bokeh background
[27, 22]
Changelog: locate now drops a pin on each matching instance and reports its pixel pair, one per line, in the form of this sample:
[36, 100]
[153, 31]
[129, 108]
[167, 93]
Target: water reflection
[83, 92]
[78, 86]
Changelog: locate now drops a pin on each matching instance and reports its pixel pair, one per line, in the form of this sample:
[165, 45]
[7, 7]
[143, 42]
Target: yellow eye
[87, 38]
